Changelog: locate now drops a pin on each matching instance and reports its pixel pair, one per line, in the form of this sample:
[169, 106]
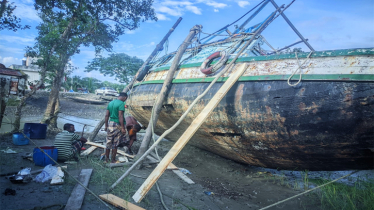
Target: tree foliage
[120, 65]
[68, 24]
[7, 19]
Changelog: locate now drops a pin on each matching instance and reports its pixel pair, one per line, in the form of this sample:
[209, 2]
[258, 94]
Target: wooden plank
[88, 151]
[76, 198]
[118, 151]
[118, 202]
[187, 135]
[171, 166]
[183, 176]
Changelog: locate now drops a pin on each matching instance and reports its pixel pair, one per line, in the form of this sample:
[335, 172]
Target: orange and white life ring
[205, 69]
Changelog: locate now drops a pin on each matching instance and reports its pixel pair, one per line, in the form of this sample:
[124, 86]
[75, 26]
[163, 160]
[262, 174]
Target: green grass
[344, 197]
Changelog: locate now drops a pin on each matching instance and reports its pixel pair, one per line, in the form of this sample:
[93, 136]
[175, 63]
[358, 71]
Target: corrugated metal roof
[10, 72]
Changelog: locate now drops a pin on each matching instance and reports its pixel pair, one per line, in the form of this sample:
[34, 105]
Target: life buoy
[205, 69]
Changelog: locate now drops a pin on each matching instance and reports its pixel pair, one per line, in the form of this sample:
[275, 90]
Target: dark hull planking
[318, 125]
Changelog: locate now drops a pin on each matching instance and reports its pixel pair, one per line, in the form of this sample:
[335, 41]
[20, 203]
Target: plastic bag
[185, 171]
[48, 172]
[25, 171]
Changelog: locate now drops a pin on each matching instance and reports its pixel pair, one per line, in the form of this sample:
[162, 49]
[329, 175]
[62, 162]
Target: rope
[214, 34]
[76, 121]
[307, 191]
[300, 66]
[70, 175]
[237, 19]
[162, 200]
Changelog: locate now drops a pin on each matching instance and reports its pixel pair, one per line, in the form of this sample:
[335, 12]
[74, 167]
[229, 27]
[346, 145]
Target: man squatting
[68, 143]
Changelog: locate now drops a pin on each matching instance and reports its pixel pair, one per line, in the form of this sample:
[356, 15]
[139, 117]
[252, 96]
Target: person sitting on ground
[68, 143]
[132, 127]
[115, 128]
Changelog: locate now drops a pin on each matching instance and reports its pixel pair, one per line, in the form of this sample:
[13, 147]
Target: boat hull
[326, 122]
[316, 126]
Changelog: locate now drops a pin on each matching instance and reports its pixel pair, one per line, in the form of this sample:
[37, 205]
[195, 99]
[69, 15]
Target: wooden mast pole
[165, 89]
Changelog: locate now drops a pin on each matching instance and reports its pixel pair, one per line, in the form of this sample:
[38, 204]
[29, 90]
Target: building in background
[32, 71]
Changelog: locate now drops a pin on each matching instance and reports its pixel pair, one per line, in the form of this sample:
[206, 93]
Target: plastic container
[36, 130]
[40, 159]
[19, 139]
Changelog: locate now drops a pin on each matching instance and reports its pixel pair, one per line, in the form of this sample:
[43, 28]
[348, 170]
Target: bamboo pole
[165, 89]
[158, 47]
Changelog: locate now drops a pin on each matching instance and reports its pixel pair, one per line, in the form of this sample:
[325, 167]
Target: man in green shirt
[115, 126]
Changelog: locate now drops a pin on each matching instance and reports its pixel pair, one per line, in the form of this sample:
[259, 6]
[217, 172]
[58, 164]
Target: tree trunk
[50, 114]
[165, 89]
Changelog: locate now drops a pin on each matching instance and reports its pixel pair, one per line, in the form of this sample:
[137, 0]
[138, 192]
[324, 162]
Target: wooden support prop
[183, 176]
[88, 151]
[120, 203]
[186, 136]
[165, 89]
[76, 198]
[118, 151]
[171, 166]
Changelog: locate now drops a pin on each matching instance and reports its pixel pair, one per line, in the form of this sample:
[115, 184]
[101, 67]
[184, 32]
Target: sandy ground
[235, 186]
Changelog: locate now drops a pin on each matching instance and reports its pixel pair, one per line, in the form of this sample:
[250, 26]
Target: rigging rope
[300, 67]
[236, 20]
[307, 191]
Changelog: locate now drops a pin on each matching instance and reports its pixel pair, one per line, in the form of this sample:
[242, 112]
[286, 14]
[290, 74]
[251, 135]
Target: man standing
[68, 144]
[116, 132]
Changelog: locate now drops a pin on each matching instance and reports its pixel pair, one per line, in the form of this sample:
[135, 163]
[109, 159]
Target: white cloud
[216, 4]
[216, 10]
[161, 16]
[7, 61]
[26, 11]
[243, 3]
[11, 50]
[176, 8]
[176, 3]
[167, 10]
[17, 39]
[194, 9]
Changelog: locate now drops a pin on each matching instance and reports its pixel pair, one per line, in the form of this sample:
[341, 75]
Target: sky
[327, 24]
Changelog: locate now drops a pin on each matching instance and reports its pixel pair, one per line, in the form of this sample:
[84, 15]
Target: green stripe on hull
[319, 77]
[329, 53]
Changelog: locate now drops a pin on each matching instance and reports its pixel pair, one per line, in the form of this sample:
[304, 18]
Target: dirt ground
[234, 186]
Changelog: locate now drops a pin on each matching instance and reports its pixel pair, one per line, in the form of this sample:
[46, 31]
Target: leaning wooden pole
[129, 86]
[187, 135]
[165, 88]
[158, 47]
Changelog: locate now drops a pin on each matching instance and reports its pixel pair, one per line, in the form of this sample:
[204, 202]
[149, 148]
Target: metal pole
[250, 18]
[293, 27]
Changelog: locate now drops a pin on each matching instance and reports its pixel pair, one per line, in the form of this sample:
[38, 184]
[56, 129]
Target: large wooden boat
[325, 122]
